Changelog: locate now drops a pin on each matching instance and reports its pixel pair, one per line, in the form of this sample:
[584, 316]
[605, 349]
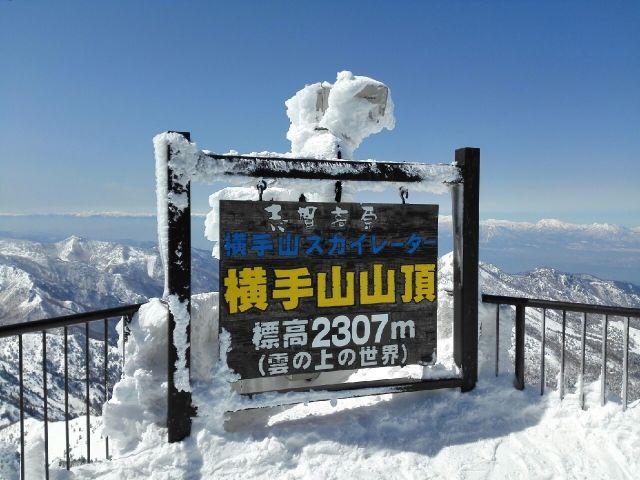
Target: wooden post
[179, 409]
[456, 215]
[466, 327]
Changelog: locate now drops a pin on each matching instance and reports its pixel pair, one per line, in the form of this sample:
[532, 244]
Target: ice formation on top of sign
[327, 119]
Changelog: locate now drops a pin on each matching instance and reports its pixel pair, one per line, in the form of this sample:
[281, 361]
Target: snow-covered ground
[494, 431]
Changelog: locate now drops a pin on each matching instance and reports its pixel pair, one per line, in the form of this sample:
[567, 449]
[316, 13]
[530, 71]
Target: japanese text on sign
[320, 287]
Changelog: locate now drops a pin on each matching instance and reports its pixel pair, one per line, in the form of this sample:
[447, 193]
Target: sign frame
[465, 193]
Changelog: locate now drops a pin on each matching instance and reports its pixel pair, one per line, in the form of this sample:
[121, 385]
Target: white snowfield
[493, 431]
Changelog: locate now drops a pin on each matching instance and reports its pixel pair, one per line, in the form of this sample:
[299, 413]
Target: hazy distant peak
[72, 249]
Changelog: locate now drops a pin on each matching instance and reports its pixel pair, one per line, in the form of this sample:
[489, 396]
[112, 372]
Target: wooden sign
[315, 287]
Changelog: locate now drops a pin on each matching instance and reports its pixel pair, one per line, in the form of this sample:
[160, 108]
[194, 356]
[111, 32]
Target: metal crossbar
[521, 303]
[211, 164]
[41, 326]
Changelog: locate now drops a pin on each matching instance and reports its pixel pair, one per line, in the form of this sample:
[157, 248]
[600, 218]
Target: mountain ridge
[40, 280]
[32, 271]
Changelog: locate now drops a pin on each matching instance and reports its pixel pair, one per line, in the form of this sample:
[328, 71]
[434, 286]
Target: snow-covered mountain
[40, 280]
[550, 284]
[604, 250]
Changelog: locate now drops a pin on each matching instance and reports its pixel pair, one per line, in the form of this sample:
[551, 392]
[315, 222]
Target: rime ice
[332, 120]
[328, 121]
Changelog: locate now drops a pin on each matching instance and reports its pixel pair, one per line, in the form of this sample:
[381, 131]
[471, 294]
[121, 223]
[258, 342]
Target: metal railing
[41, 326]
[520, 305]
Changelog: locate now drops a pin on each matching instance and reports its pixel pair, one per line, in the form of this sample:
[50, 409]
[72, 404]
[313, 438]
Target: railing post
[106, 379]
[518, 381]
[67, 453]
[456, 223]
[20, 367]
[45, 404]
[562, 353]
[465, 328]
[543, 343]
[625, 363]
[603, 367]
[497, 337]
[179, 407]
[583, 359]
[87, 346]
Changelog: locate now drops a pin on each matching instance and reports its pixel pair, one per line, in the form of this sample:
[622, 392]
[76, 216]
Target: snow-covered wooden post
[178, 294]
[465, 267]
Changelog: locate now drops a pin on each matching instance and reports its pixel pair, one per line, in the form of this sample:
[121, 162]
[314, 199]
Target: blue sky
[550, 92]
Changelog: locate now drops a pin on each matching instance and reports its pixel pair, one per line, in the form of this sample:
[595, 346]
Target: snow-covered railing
[606, 311]
[17, 331]
[179, 162]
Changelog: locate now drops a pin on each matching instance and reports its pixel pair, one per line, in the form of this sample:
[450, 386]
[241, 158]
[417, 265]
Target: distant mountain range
[604, 250]
[39, 280]
[42, 280]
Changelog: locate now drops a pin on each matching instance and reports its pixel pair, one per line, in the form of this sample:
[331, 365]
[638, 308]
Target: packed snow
[494, 431]
[330, 118]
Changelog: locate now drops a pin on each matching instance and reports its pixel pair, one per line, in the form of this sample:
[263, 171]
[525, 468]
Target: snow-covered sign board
[316, 287]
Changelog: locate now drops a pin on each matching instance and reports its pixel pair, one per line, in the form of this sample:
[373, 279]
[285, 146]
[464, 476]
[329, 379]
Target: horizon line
[442, 218]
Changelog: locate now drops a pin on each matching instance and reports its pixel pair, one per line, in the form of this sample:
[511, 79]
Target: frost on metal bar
[497, 337]
[562, 358]
[429, 177]
[583, 345]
